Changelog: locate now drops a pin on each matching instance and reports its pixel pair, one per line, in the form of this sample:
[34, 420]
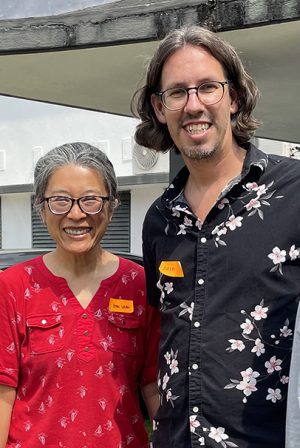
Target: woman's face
[76, 232]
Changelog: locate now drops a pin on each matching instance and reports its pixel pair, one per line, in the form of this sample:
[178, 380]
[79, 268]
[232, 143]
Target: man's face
[197, 130]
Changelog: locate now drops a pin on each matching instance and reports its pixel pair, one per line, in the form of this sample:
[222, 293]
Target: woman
[77, 337]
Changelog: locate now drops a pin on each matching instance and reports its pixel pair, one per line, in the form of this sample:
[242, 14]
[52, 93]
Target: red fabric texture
[76, 370]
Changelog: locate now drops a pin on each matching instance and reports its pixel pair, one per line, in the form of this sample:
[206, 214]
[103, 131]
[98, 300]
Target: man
[221, 251]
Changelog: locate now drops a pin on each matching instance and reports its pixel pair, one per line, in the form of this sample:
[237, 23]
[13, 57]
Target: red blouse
[76, 370]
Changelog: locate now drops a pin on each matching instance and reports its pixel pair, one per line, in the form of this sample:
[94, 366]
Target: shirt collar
[255, 162]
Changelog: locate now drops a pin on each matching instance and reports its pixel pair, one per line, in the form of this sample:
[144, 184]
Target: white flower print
[219, 230]
[217, 434]
[42, 408]
[273, 364]
[277, 256]
[82, 390]
[174, 366]
[123, 390]
[259, 347]
[165, 381]
[182, 230]
[69, 354]
[103, 403]
[285, 331]
[261, 189]
[237, 344]
[247, 386]
[294, 253]
[187, 309]
[170, 397]
[27, 425]
[63, 422]
[274, 395]
[253, 204]
[198, 224]
[187, 222]
[60, 362]
[222, 203]
[249, 374]
[98, 432]
[247, 326]
[251, 186]
[284, 379]
[42, 438]
[177, 209]
[11, 348]
[167, 357]
[168, 287]
[234, 222]
[194, 423]
[259, 312]
[73, 414]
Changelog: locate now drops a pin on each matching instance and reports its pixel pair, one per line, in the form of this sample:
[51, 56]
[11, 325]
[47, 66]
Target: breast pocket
[45, 333]
[122, 332]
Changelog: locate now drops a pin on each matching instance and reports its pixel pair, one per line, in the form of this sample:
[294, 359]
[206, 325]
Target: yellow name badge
[120, 305]
[171, 268]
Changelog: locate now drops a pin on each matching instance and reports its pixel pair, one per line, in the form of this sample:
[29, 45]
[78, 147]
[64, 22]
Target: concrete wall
[141, 199]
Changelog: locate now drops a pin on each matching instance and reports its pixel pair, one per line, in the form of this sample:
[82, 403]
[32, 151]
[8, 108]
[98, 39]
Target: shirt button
[84, 316]
[195, 409]
[86, 333]
[203, 240]
[196, 324]
[200, 281]
[44, 321]
[86, 349]
[195, 366]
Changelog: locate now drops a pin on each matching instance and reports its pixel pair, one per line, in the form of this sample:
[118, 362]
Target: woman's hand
[151, 398]
[7, 399]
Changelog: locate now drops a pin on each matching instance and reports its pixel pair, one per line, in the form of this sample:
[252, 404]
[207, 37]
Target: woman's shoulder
[19, 271]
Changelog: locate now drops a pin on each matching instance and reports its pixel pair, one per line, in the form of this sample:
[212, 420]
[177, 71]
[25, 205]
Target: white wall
[16, 221]
[141, 199]
[30, 129]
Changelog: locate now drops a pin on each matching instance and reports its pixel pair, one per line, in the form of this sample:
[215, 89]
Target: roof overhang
[103, 77]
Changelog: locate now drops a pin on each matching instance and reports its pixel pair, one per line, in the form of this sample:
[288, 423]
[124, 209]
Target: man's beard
[196, 153]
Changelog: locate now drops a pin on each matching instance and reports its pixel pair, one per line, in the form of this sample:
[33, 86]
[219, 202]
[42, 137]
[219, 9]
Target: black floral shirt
[228, 291]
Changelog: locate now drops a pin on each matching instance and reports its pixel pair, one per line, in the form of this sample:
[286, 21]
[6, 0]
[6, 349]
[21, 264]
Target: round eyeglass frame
[197, 91]
[77, 201]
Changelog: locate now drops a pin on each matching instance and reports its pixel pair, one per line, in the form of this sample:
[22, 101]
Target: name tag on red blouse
[120, 305]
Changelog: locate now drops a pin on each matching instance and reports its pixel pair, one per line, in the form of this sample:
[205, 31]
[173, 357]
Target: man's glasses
[208, 93]
[61, 205]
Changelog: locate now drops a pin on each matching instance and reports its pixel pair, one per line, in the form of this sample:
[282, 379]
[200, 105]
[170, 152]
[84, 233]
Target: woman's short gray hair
[78, 153]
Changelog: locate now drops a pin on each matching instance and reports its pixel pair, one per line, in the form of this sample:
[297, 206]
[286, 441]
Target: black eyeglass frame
[196, 88]
[77, 201]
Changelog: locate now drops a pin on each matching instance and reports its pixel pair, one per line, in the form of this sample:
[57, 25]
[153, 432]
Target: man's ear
[234, 105]
[158, 108]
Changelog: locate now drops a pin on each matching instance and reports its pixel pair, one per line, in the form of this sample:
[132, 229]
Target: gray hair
[78, 153]
[153, 134]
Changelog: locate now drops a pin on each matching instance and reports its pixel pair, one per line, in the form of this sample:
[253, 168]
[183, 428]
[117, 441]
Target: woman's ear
[43, 216]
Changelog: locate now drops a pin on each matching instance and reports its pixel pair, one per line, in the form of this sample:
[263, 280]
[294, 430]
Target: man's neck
[209, 177]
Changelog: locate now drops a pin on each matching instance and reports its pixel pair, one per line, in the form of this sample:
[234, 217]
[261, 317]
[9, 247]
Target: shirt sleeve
[10, 341]
[153, 293]
[151, 343]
